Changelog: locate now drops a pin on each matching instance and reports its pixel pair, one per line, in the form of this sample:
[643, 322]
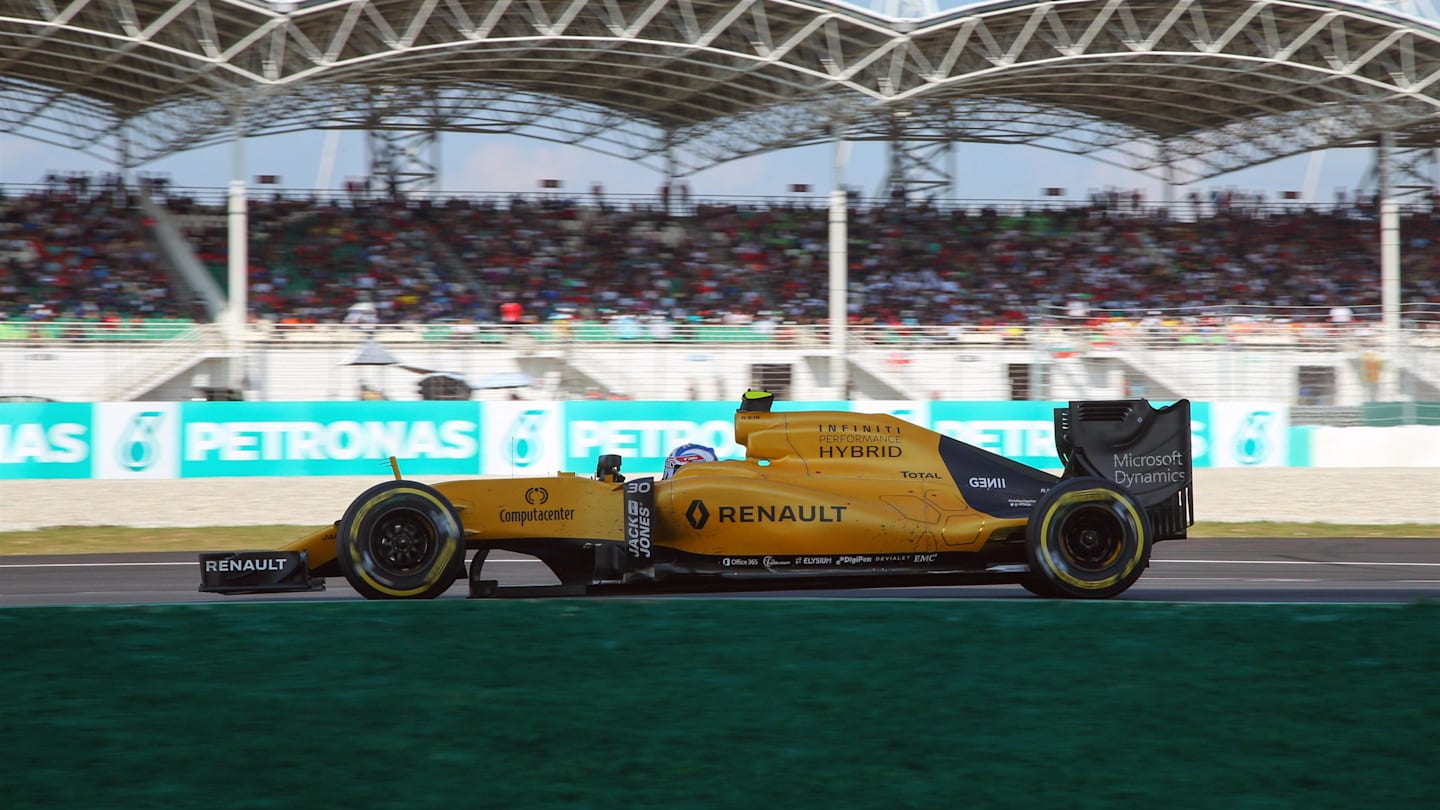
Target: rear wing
[1138, 446]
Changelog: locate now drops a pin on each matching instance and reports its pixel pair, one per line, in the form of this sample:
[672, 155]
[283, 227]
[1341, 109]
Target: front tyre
[1088, 538]
[400, 540]
[1041, 587]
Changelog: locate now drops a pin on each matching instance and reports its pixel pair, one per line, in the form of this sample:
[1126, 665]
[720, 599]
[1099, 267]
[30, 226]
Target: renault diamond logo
[697, 514]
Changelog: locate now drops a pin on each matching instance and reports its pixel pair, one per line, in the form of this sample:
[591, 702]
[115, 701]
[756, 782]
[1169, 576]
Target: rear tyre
[1088, 538]
[400, 540]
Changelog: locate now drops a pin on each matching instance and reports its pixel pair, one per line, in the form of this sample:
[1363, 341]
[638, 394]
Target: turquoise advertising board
[45, 440]
[328, 438]
[1222, 434]
[1023, 431]
[225, 439]
[644, 436]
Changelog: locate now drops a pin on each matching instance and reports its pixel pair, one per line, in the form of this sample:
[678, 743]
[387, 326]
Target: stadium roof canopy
[1201, 86]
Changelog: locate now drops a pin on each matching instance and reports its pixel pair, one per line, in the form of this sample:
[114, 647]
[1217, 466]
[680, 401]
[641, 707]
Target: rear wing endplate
[1138, 446]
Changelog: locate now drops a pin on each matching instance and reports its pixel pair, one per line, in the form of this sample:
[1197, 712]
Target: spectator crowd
[87, 251]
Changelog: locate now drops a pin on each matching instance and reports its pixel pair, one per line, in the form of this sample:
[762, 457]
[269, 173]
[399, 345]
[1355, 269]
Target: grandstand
[921, 298]
[1034, 300]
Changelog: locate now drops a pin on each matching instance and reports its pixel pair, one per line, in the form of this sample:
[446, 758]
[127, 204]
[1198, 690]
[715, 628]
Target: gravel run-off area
[1351, 495]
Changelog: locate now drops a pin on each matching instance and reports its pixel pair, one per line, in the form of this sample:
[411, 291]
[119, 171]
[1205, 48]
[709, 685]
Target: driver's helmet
[684, 454]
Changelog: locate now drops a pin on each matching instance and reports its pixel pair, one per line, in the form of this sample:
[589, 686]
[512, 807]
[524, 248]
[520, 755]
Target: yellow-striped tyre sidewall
[353, 548]
[1062, 503]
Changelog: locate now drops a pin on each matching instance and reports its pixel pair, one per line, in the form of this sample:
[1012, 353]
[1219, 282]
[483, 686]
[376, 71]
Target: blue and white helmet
[684, 454]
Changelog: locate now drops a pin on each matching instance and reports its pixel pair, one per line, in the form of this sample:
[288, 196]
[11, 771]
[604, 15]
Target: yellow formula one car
[821, 499]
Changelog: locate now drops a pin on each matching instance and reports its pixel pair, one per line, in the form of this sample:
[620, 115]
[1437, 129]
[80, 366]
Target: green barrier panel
[1387, 414]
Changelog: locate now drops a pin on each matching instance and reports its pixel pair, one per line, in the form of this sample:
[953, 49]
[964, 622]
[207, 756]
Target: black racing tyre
[1088, 538]
[400, 540]
[1040, 586]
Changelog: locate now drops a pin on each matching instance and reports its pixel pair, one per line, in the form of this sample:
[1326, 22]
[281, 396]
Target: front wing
[237, 572]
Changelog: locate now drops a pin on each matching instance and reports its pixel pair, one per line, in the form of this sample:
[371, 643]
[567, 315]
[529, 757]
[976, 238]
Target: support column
[1167, 191]
[126, 172]
[921, 163]
[401, 160]
[667, 186]
[326, 170]
[839, 275]
[1389, 272]
[237, 249]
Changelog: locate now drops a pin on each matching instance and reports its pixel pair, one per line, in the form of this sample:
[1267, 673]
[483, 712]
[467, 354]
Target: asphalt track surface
[1267, 570]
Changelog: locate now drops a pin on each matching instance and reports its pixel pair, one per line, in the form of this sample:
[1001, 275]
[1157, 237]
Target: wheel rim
[402, 542]
[1093, 539]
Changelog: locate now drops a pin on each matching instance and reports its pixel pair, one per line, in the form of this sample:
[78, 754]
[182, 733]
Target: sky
[483, 164]
[490, 163]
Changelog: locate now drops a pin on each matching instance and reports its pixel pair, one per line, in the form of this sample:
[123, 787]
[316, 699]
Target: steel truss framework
[1195, 88]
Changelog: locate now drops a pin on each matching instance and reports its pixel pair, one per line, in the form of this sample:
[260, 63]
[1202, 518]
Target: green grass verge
[102, 539]
[720, 704]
